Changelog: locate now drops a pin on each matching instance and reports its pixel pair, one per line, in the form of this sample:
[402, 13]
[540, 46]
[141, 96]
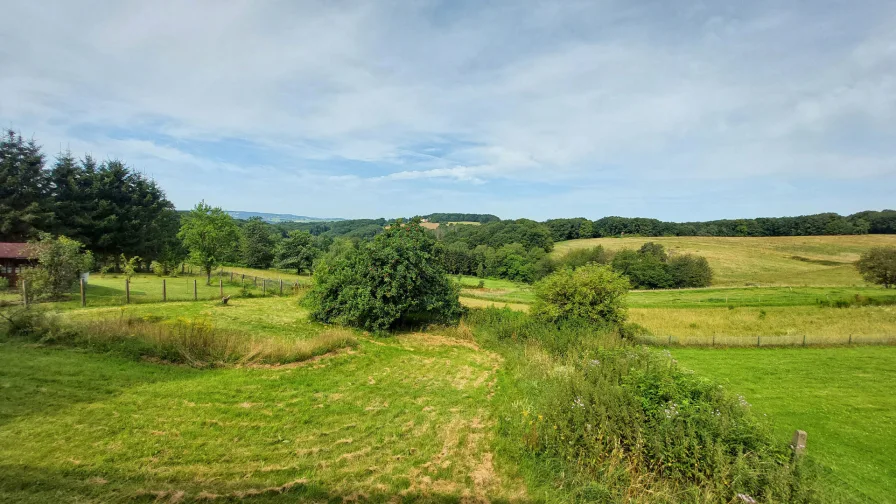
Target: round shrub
[593, 292]
[384, 282]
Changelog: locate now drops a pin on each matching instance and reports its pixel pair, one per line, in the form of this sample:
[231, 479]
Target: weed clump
[617, 422]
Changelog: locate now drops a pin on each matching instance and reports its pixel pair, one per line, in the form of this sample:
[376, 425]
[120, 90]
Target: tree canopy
[210, 235]
[878, 265]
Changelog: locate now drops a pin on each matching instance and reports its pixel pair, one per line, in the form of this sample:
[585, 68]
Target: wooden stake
[127, 290]
[221, 286]
[83, 293]
[195, 291]
[25, 293]
[281, 286]
[164, 290]
[264, 287]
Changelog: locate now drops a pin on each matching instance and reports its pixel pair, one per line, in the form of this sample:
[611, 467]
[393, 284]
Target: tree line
[866, 222]
[108, 207]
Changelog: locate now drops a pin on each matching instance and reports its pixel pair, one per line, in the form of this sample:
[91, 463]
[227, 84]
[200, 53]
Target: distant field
[842, 397]
[791, 260]
[775, 325]
[732, 315]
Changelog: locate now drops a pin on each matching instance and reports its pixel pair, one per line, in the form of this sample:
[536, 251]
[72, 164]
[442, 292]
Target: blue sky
[674, 110]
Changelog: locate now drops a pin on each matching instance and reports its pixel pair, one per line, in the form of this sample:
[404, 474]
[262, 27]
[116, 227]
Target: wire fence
[804, 340]
[115, 290]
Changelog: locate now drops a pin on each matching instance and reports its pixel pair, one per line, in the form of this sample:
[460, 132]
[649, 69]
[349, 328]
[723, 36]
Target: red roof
[13, 250]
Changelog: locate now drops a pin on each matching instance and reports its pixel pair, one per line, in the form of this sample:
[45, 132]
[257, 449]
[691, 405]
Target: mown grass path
[404, 419]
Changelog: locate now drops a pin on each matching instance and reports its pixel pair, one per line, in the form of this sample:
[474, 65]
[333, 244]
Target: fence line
[179, 292]
[803, 340]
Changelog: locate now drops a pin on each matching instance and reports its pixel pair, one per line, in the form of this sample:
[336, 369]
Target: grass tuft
[196, 343]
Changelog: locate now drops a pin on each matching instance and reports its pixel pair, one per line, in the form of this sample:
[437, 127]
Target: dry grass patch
[771, 325]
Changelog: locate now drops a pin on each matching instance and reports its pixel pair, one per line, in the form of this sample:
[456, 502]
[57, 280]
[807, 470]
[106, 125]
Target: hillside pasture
[842, 397]
[772, 261]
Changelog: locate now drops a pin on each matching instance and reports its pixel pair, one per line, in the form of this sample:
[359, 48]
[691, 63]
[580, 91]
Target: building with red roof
[13, 259]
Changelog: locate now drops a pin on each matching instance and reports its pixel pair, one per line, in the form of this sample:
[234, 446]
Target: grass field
[788, 325]
[842, 397]
[734, 316]
[789, 260]
[404, 418]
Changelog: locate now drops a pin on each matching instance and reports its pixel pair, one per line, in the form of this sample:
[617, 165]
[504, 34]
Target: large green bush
[385, 282]
[593, 292]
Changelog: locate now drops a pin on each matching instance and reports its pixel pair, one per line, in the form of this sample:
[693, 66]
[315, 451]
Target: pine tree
[23, 189]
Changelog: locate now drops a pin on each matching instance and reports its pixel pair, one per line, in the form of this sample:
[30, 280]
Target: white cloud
[574, 92]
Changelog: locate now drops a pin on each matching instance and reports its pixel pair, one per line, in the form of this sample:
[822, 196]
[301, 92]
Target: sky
[677, 110]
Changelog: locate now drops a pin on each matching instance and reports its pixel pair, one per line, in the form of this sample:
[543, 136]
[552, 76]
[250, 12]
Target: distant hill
[275, 218]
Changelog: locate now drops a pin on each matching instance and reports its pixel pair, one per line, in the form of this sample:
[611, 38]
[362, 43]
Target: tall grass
[609, 421]
[191, 342]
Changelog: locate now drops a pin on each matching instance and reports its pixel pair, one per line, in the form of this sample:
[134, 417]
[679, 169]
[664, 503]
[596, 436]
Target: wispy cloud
[397, 108]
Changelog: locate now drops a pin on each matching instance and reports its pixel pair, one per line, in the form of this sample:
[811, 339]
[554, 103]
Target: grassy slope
[406, 417]
[842, 397]
[763, 261]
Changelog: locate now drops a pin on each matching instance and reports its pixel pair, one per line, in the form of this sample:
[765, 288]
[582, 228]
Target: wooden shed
[13, 259]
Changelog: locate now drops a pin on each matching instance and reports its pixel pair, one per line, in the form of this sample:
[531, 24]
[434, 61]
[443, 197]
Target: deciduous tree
[257, 244]
[297, 251]
[878, 265]
[60, 262]
[209, 234]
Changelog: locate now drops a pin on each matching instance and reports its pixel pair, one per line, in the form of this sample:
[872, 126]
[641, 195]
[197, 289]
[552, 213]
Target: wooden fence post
[164, 290]
[231, 277]
[221, 286]
[127, 290]
[195, 291]
[243, 281]
[255, 281]
[83, 293]
[25, 293]
[264, 287]
[281, 286]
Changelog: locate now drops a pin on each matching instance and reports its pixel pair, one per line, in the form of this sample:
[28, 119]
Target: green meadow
[842, 398]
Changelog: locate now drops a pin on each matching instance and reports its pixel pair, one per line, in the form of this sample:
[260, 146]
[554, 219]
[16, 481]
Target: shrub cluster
[857, 300]
[651, 267]
[616, 422]
[592, 293]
